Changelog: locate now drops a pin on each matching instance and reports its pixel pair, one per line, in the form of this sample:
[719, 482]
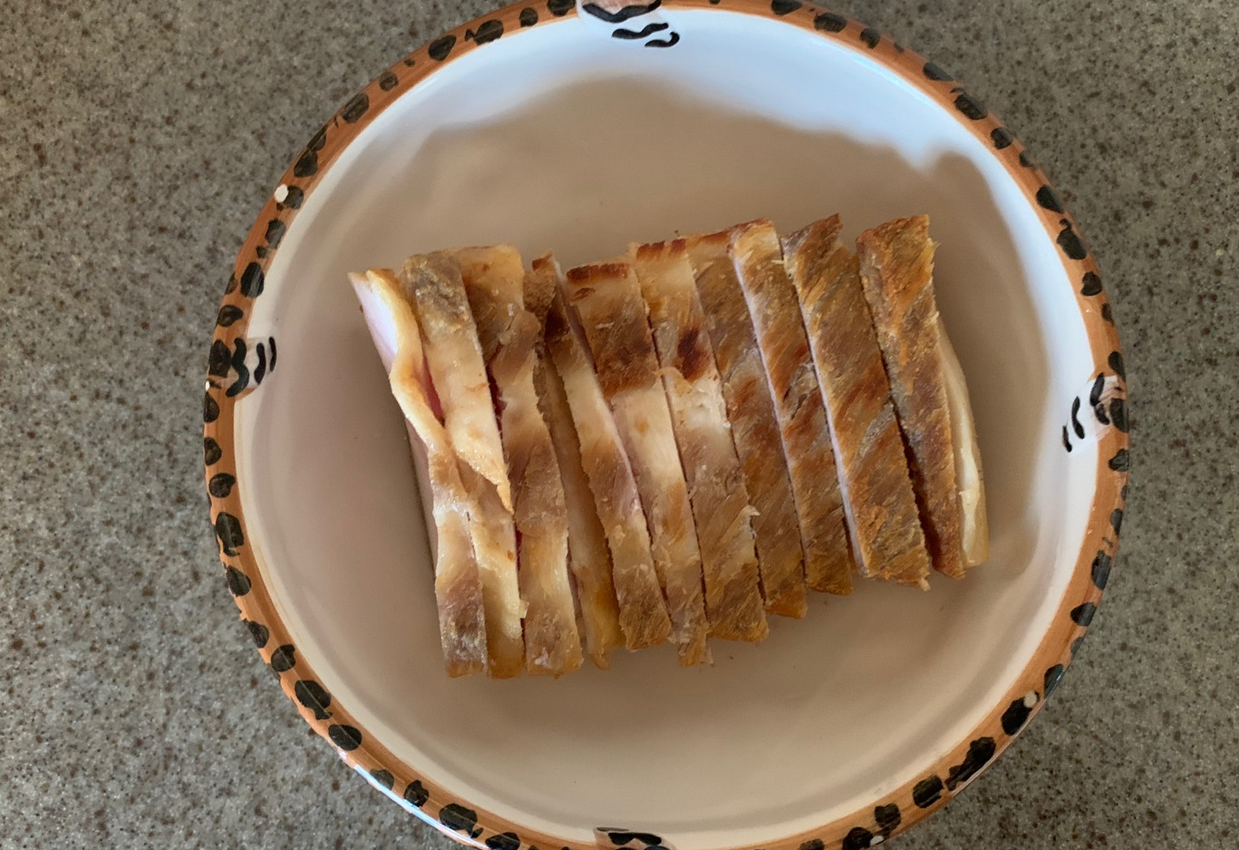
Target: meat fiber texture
[679, 443]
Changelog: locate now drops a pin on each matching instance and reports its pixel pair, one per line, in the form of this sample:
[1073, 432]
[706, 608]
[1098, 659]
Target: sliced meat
[881, 509]
[775, 312]
[720, 501]
[508, 333]
[457, 581]
[433, 284]
[643, 613]
[754, 425]
[588, 555]
[896, 270]
[607, 299]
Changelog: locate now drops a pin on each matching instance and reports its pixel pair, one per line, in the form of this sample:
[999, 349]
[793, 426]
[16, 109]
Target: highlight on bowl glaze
[1079, 390]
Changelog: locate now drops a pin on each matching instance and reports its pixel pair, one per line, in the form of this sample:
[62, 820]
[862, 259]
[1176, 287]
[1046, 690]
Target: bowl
[578, 129]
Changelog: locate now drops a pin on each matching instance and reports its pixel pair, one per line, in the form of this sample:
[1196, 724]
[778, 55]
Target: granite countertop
[138, 139]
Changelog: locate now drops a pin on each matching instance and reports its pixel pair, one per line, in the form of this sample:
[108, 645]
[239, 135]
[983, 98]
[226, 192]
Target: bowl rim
[896, 810]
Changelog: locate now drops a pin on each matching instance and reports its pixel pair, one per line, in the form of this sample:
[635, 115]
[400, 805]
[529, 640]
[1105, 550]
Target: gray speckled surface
[137, 141]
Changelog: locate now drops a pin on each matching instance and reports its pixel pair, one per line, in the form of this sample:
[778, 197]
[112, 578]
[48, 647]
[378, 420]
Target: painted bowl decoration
[552, 126]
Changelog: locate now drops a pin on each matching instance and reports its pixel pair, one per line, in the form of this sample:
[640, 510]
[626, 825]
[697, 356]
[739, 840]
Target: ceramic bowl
[579, 129]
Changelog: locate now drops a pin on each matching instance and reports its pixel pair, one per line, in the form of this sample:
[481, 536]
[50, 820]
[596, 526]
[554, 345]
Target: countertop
[138, 140]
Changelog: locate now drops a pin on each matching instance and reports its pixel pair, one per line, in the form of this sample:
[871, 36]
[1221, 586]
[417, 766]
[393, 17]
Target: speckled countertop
[137, 141]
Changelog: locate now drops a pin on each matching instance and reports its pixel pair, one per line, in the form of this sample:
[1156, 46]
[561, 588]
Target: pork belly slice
[509, 334]
[433, 284]
[607, 300]
[754, 425]
[882, 516]
[775, 313]
[896, 270]
[720, 501]
[643, 616]
[588, 555]
[457, 581]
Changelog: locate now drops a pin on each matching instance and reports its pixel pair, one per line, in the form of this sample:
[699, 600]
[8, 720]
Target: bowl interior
[566, 139]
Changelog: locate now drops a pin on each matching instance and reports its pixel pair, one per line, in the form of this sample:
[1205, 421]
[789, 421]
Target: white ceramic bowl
[544, 126]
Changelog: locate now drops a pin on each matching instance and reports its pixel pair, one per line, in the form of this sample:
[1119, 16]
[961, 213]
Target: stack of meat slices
[672, 445]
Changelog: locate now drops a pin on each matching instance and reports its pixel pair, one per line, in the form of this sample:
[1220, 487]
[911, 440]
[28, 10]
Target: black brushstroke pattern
[313, 696]
[258, 632]
[1094, 400]
[456, 817]
[307, 163]
[1116, 363]
[1102, 563]
[1016, 715]
[969, 106]
[887, 818]
[211, 452]
[210, 409]
[1070, 242]
[238, 366]
[229, 315]
[1048, 199]
[219, 359]
[620, 837]
[221, 485]
[344, 737]
[252, 281]
[649, 29]
[355, 108]
[504, 841]
[1082, 615]
[665, 42]
[487, 31]
[238, 582]
[416, 793]
[441, 48]
[284, 658]
[228, 530]
[624, 14]
[1118, 412]
[927, 792]
[1053, 676]
[275, 232]
[260, 371]
[830, 22]
[980, 752]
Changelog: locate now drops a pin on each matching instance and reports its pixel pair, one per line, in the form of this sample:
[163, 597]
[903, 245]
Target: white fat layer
[379, 320]
[382, 325]
[968, 478]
